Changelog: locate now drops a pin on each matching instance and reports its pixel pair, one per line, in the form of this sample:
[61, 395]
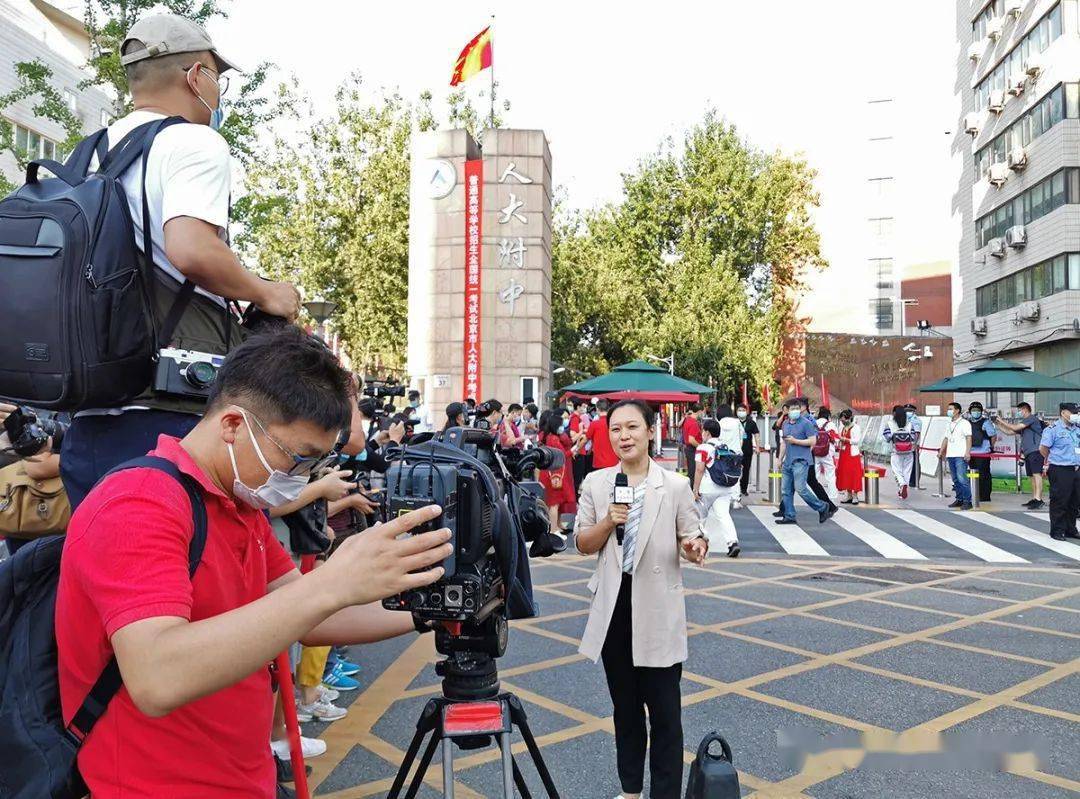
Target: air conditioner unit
[997, 101]
[1016, 237]
[1018, 159]
[1033, 66]
[1017, 83]
[999, 173]
[997, 248]
[1028, 311]
[978, 326]
[1014, 8]
[975, 51]
[994, 28]
[972, 123]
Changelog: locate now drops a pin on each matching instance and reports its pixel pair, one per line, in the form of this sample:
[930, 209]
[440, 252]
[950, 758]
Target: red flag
[745, 395]
[798, 387]
[765, 395]
[825, 393]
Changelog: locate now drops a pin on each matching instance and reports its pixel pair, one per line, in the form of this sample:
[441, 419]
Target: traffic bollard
[940, 480]
[974, 478]
[775, 479]
[757, 471]
[872, 488]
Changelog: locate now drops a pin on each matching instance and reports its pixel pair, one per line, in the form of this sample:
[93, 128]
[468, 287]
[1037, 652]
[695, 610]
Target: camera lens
[200, 374]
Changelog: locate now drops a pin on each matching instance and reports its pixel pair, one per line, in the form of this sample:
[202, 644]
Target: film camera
[186, 373]
[28, 434]
[491, 510]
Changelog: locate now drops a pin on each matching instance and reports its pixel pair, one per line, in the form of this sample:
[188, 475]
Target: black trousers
[581, 468]
[690, 452]
[982, 466]
[813, 484]
[634, 688]
[913, 479]
[747, 462]
[1064, 498]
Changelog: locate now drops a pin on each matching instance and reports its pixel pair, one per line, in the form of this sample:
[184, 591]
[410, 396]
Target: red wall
[935, 299]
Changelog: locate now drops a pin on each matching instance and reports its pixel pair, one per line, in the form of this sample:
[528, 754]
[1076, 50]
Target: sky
[608, 82]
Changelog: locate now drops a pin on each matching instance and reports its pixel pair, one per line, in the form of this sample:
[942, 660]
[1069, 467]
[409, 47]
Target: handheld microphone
[624, 495]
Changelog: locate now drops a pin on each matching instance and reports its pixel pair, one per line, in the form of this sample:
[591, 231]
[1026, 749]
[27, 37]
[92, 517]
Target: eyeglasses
[222, 81]
[302, 464]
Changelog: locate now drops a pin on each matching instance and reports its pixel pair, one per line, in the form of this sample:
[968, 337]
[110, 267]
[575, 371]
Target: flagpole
[491, 38]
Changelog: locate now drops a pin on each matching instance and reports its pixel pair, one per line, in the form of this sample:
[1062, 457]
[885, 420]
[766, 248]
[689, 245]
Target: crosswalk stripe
[876, 538]
[791, 537]
[958, 538]
[1034, 536]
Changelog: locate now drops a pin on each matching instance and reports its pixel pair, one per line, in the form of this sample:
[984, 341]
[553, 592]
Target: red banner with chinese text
[474, 205]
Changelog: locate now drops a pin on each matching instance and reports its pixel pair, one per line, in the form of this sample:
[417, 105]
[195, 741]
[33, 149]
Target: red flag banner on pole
[474, 183]
[745, 394]
[825, 393]
[765, 396]
[798, 387]
[476, 57]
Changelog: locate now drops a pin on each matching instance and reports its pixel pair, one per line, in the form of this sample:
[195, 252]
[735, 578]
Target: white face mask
[279, 489]
[741, 414]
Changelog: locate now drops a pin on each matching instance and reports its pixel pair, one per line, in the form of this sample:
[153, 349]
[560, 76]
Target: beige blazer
[659, 612]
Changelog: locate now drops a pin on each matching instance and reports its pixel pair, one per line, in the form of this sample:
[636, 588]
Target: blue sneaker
[348, 668]
[339, 681]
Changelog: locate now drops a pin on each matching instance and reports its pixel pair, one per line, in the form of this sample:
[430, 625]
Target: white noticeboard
[932, 410]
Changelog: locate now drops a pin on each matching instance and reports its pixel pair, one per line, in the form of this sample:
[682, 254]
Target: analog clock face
[441, 178]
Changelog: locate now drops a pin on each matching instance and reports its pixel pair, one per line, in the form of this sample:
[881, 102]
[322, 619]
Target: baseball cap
[169, 34]
[455, 408]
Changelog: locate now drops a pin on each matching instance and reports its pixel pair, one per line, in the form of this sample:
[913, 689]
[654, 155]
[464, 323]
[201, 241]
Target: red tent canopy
[646, 396]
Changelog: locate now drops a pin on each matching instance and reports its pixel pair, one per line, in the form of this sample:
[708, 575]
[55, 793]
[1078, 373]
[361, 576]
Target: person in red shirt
[691, 437]
[603, 455]
[193, 718]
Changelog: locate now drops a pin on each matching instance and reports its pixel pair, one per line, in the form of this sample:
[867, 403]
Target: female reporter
[637, 623]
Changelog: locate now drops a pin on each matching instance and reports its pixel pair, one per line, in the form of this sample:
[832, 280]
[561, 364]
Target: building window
[881, 227]
[1058, 274]
[882, 309]
[1015, 398]
[1041, 35]
[529, 387]
[1060, 102]
[978, 27]
[72, 101]
[991, 400]
[34, 145]
[1061, 188]
[882, 269]
[106, 119]
[881, 188]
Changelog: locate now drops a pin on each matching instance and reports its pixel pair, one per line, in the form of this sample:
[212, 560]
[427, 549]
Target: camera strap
[108, 684]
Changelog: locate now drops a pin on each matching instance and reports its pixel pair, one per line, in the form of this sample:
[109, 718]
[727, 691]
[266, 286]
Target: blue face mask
[910, 414]
[563, 426]
[217, 116]
[415, 404]
[976, 415]
[794, 414]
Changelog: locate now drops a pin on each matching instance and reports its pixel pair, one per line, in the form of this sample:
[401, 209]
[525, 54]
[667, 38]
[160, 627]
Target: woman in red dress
[558, 483]
[849, 471]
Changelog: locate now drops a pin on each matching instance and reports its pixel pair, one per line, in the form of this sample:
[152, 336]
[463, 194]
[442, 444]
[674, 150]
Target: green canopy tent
[637, 376]
[1001, 375]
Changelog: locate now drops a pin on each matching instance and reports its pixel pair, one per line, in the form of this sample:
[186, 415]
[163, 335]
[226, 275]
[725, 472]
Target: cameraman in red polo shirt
[193, 718]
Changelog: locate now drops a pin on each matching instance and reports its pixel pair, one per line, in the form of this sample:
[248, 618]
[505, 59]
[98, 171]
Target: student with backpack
[824, 452]
[174, 594]
[901, 434]
[118, 268]
[716, 479]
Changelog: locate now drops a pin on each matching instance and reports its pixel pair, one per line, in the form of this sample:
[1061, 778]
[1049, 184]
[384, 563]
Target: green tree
[703, 256]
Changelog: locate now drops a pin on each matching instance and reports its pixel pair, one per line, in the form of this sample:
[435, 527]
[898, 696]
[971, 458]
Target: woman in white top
[715, 500]
[825, 465]
[900, 433]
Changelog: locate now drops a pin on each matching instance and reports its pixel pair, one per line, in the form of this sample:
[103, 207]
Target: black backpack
[978, 434]
[37, 751]
[77, 327]
[726, 468]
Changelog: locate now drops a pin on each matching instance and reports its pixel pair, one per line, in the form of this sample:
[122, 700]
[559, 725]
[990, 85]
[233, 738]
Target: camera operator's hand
[361, 502]
[397, 432]
[334, 486]
[280, 299]
[6, 411]
[618, 514]
[377, 564]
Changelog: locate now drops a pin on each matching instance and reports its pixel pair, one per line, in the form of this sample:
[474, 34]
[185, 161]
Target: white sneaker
[327, 694]
[311, 747]
[320, 711]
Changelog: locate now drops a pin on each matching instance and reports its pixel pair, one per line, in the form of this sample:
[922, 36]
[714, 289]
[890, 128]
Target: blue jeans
[94, 445]
[958, 469]
[795, 480]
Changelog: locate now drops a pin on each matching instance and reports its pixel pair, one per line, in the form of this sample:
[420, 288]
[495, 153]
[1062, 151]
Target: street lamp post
[670, 361]
[320, 311]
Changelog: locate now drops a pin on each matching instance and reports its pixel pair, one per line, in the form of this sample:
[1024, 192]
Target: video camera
[383, 388]
[28, 434]
[490, 510]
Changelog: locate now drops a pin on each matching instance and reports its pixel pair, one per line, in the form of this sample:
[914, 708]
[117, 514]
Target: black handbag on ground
[713, 776]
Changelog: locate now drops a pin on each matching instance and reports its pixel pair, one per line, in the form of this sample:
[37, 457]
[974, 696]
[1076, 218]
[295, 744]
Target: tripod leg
[421, 770]
[448, 768]
[517, 717]
[509, 767]
[425, 724]
[519, 780]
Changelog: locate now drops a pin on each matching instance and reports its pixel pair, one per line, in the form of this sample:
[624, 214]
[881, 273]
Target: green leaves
[702, 256]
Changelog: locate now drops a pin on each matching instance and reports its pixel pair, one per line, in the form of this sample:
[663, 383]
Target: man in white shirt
[174, 70]
[956, 451]
[424, 422]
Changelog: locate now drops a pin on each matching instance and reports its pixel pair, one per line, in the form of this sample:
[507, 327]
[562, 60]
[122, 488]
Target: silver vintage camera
[186, 373]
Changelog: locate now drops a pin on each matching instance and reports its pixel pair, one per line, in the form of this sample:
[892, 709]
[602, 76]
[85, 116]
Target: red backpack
[822, 443]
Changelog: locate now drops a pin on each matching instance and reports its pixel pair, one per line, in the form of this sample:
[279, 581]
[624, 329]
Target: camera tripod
[468, 715]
